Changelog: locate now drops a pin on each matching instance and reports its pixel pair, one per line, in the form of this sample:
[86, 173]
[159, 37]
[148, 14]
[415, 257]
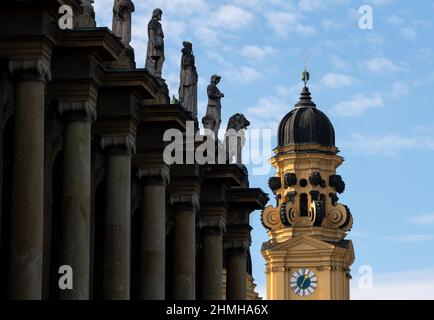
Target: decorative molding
[77, 110]
[214, 222]
[185, 200]
[159, 175]
[239, 244]
[122, 143]
[38, 66]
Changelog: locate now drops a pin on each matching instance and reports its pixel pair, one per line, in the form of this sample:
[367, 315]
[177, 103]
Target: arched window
[304, 211]
[324, 202]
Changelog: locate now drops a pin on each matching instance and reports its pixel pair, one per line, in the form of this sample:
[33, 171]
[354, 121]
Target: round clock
[304, 282]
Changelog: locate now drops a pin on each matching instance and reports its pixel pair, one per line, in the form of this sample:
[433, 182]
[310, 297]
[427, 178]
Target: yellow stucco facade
[307, 256]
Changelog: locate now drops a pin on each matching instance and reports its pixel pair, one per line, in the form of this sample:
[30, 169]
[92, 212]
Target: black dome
[306, 125]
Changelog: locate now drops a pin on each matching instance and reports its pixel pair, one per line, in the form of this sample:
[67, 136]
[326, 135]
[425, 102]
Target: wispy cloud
[409, 285]
[336, 80]
[284, 23]
[382, 65]
[358, 105]
[409, 238]
[424, 220]
[380, 2]
[243, 74]
[399, 89]
[257, 53]
[388, 144]
[409, 34]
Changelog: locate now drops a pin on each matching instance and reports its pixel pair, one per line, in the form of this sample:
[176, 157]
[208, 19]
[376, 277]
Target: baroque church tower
[307, 256]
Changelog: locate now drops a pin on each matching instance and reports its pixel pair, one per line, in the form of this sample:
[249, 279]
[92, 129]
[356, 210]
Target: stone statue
[86, 19]
[189, 78]
[235, 137]
[155, 55]
[122, 11]
[212, 119]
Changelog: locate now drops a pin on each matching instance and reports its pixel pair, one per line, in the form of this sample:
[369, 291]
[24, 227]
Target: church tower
[307, 256]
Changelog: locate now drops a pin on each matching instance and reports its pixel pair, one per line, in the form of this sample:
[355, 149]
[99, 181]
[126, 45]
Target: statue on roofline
[189, 79]
[155, 53]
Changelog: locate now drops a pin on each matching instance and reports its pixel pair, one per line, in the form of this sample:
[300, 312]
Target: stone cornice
[169, 115]
[103, 42]
[249, 198]
[138, 79]
[232, 175]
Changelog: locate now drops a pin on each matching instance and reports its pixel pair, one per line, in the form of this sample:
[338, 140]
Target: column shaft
[117, 228]
[184, 251]
[212, 264]
[153, 242]
[75, 215]
[236, 275]
[26, 229]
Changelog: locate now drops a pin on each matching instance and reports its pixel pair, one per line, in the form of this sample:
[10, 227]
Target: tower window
[304, 205]
[303, 183]
[323, 198]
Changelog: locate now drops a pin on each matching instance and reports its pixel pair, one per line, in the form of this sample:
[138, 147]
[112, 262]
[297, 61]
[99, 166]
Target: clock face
[304, 282]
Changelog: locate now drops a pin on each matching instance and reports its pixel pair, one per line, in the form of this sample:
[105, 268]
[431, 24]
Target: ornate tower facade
[307, 256]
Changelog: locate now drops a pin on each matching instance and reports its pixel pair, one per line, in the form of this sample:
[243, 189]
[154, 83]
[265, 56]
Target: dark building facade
[83, 180]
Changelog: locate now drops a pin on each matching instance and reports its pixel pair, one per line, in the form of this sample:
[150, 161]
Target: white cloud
[243, 75]
[269, 110]
[335, 80]
[316, 5]
[388, 144]
[381, 65]
[407, 285]
[284, 23]
[231, 17]
[329, 25]
[338, 63]
[409, 34]
[395, 20]
[399, 89]
[409, 238]
[358, 105]
[257, 53]
[427, 219]
[380, 2]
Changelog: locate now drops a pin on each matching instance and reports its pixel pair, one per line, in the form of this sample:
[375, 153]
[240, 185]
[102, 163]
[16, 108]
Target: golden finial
[305, 76]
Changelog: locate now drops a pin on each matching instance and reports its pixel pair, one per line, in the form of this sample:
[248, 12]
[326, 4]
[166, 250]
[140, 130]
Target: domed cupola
[306, 124]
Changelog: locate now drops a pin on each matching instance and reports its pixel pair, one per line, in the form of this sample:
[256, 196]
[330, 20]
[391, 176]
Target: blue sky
[375, 85]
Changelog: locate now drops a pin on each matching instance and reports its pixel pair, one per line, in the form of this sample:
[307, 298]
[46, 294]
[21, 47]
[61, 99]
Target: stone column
[212, 257]
[153, 233]
[184, 246]
[236, 270]
[117, 220]
[26, 229]
[76, 194]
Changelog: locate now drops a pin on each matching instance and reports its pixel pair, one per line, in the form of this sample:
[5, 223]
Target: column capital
[30, 69]
[159, 175]
[190, 200]
[237, 244]
[77, 110]
[215, 219]
[119, 144]
[212, 223]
